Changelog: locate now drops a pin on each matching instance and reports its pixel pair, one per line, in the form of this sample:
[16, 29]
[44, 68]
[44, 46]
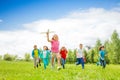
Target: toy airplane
[47, 32]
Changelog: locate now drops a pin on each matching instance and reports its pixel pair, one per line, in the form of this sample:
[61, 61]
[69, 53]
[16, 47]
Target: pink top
[55, 46]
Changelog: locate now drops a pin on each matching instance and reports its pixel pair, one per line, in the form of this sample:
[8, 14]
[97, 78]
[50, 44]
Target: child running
[36, 56]
[63, 53]
[79, 54]
[54, 49]
[102, 56]
[45, 56]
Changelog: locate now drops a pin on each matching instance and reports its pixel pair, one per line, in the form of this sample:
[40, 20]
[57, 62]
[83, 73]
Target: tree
[92, 55]
[85, 55]
[96, 50]
[115, 46]
[27, 57]
[107, 51]
[9, 57]
[0, 57]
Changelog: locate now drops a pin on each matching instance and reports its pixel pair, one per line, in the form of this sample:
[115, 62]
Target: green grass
[24, 71]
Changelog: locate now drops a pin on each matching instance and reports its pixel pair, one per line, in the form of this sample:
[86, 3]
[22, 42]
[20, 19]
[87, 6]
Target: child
[36, 56]
[54, 49]
[102, 56]
[79, 54]
[45, 56]
[63, 52]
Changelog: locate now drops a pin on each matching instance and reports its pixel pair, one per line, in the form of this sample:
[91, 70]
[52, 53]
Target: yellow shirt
[36, 53]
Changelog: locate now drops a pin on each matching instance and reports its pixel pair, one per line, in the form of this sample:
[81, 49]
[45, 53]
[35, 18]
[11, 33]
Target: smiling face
[102, 48]
[45, 48]
[81, 46]
[55, 37]
[35, 46]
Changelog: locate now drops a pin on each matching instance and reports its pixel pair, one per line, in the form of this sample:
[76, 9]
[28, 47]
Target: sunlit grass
[24, 71]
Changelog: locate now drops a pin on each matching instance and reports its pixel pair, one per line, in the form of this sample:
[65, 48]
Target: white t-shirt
[79, 53]
[44, 54]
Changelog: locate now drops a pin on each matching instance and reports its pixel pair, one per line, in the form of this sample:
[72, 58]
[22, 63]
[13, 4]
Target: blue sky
[14, 13]
[75, 22]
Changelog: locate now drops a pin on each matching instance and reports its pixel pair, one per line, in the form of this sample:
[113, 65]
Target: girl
[79, 54]
[54, 49]
[45, 56]
[63, 52]
[102, 56]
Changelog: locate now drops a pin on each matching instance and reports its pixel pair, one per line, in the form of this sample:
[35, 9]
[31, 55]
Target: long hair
[46, 47]
[101, 48]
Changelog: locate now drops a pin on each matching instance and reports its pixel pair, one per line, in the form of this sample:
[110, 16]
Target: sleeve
[49, 52]
[33, 53]
[41, 54]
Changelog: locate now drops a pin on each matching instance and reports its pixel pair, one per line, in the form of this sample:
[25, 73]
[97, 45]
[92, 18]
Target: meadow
[21, 70]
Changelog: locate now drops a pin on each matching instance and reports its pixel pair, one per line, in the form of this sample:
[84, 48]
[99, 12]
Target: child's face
[102, 48]
[63, 48]
[55, 37]
[81, 46]
[45, 48]
[35, 47]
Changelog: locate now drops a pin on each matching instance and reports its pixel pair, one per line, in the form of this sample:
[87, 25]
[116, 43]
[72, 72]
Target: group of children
[46, 55]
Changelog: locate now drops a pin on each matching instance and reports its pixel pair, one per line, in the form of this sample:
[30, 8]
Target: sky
[75, 21]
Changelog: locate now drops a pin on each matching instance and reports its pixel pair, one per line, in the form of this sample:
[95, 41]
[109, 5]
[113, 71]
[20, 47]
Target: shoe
[37, 65]
[58, 68]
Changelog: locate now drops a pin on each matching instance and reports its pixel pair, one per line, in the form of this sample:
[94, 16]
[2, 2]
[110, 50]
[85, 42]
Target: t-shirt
[36, 54]
[63, 53]
[54, 46]
[80, 53]
[102, 54]
[46, 53]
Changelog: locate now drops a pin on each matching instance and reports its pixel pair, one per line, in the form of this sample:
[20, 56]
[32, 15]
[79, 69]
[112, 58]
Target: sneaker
[37, 65]
[58, 68]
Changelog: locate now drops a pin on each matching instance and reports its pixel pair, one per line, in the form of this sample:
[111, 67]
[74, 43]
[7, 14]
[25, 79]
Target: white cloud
[84, 26]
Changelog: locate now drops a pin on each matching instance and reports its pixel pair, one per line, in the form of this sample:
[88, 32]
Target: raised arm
[48, 37]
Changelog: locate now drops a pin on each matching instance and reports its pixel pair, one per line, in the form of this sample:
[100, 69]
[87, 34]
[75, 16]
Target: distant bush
[27, 57]
[9, 57]
[0, 57]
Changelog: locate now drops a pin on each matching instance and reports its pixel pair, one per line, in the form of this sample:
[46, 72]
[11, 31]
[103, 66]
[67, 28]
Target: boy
[36, 56]
[79, 54]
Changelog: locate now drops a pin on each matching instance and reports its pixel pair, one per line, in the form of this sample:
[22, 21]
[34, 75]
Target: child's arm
[33, 53]
[39, 53]
[48, 37]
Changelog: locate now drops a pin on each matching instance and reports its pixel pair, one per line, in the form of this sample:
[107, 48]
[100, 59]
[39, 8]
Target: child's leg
[35, 62]
[39, 62]
[101, 63]
[104, 64]
[78, 61]
[63, 63]
[45, 62]
[52, 59]
[82, 62]
[58, 59]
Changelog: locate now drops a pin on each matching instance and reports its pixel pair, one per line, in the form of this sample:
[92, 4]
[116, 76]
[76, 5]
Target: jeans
[80, 61]
[103, 63]
[63, 62]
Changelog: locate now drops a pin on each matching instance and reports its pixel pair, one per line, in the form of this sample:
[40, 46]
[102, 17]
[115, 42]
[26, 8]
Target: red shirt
[63, 53]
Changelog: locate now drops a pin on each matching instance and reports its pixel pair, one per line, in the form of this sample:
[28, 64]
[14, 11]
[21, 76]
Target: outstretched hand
[47, 33]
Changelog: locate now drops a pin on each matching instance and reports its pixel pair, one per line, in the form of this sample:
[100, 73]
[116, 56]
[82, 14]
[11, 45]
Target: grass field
[24, 71]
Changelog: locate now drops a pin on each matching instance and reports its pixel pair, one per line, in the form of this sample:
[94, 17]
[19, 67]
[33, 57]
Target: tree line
[112, 48]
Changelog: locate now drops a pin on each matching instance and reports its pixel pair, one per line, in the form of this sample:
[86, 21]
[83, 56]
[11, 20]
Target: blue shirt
[102, 54]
